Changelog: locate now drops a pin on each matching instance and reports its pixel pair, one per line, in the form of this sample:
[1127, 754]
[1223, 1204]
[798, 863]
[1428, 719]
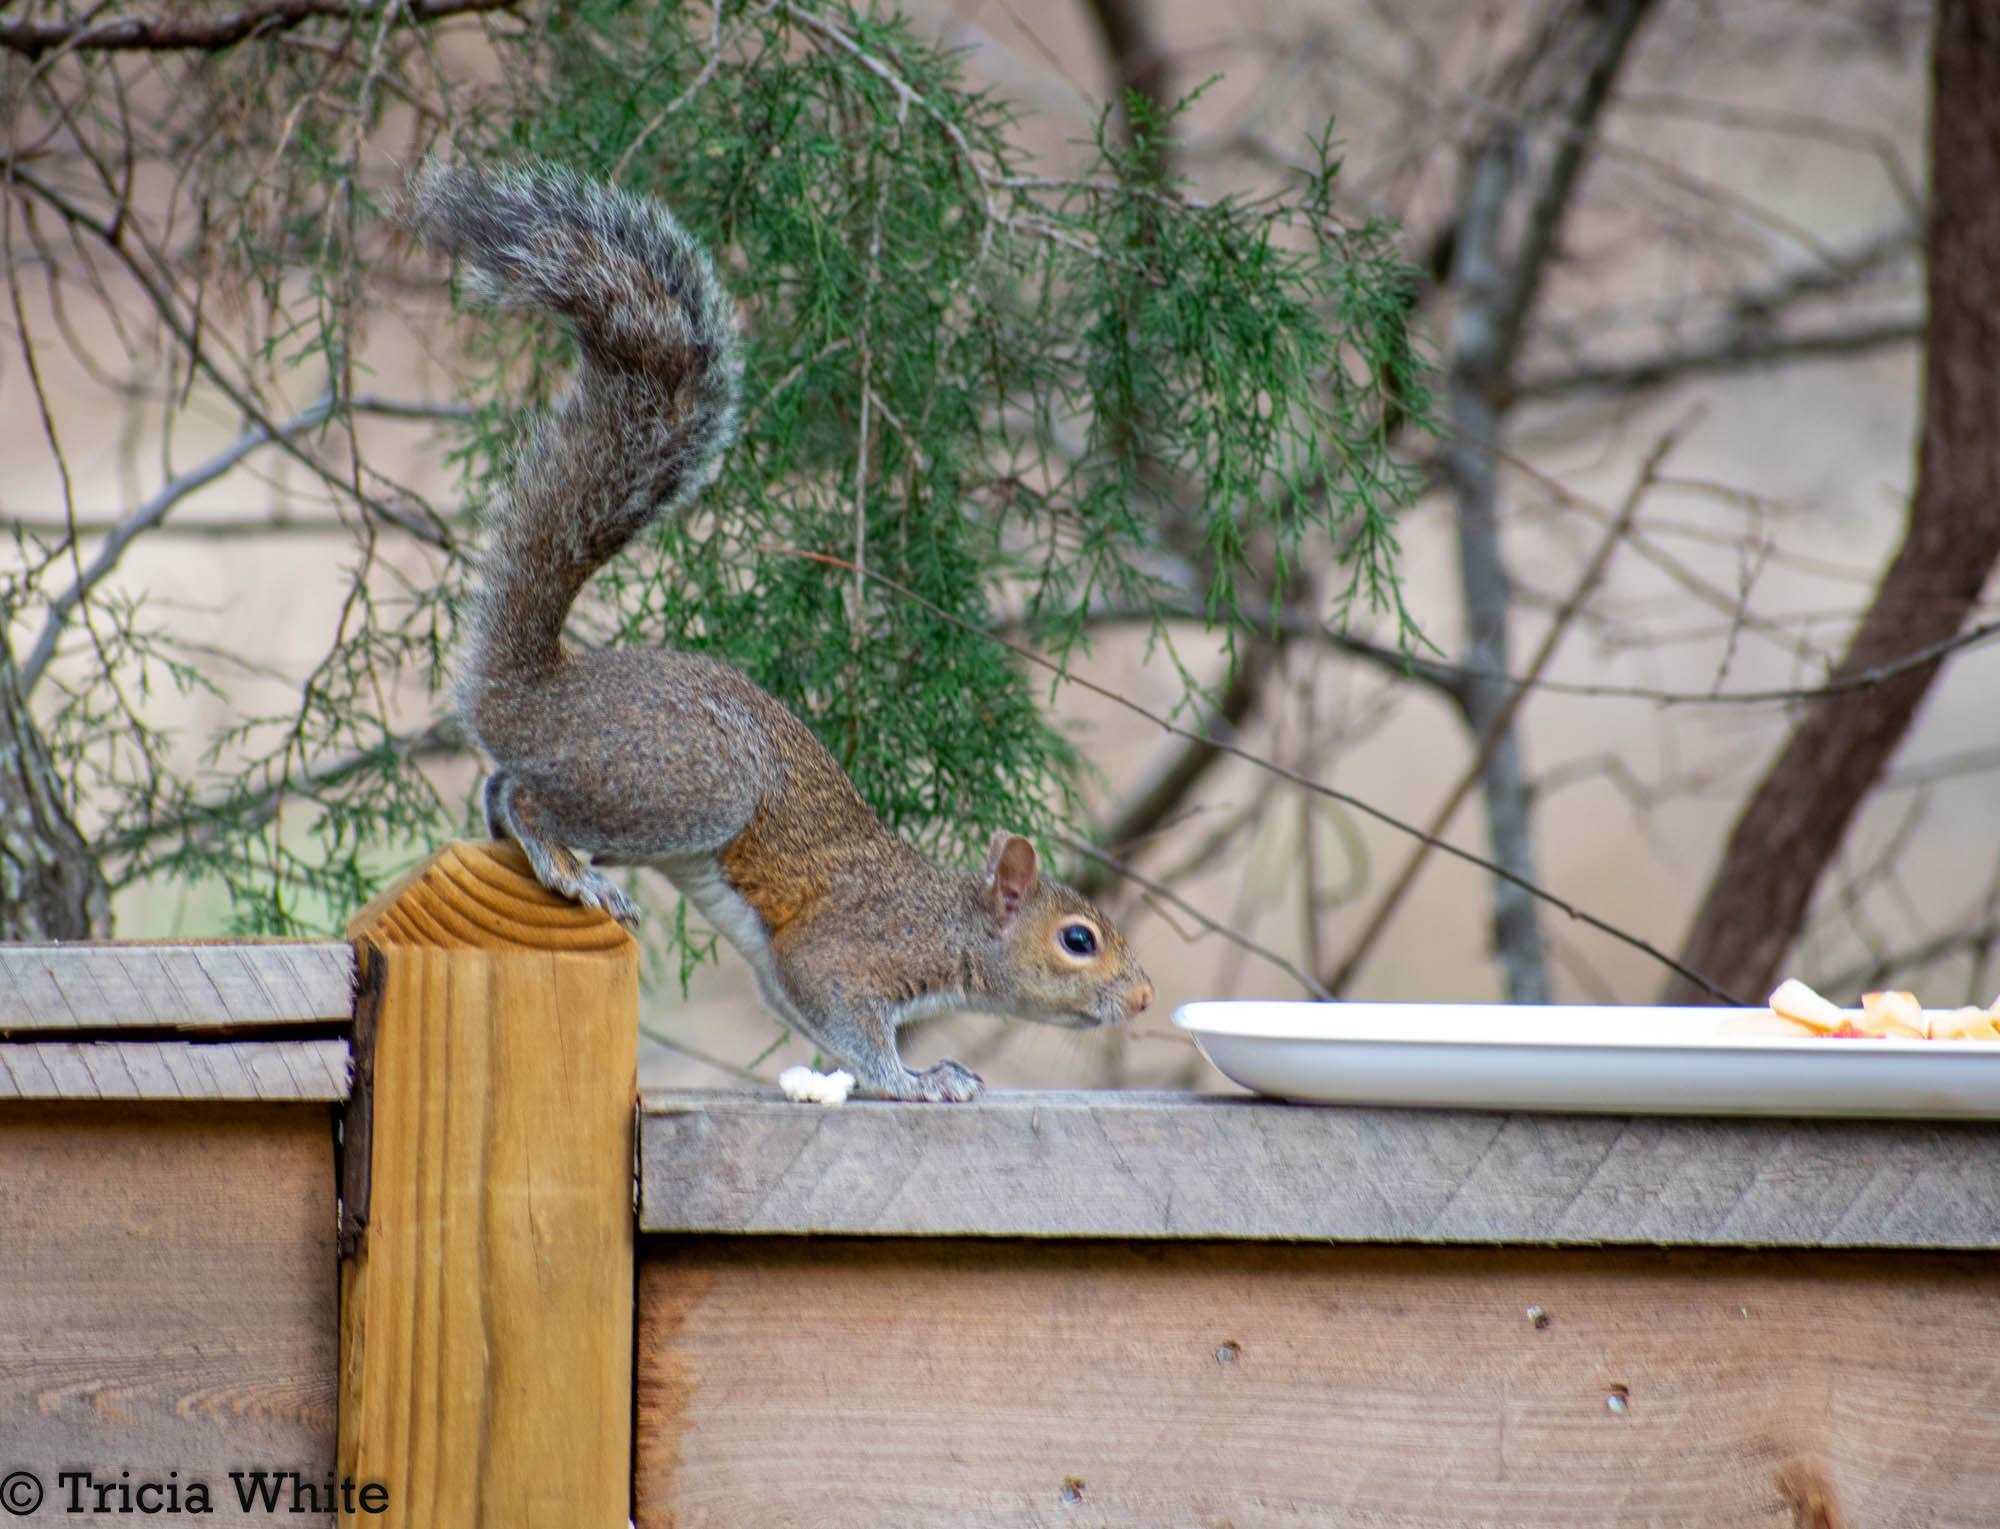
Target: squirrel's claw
[596, 891]
[947, 1083]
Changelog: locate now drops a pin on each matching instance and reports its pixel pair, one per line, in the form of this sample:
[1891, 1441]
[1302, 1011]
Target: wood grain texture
[786, 1382]
[486, 1344]
[1184, 1166]
[174, 987]
[271, 1071]
[167, 1290]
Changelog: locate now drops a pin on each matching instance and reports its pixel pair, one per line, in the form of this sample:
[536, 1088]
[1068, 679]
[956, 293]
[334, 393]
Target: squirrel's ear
[1010, 875]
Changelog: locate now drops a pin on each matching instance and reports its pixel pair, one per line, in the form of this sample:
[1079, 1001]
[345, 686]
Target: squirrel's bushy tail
[643, 424]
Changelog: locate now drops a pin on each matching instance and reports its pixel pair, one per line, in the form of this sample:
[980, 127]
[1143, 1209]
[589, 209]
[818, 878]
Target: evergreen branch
[235, 813]
[924, 340]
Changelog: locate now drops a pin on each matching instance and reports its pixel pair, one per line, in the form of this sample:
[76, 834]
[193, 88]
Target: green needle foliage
[999, 395]
[979, 399]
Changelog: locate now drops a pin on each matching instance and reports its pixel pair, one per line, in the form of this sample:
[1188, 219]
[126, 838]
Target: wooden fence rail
[367, 1212]
[214, 988]
[1183, 1167]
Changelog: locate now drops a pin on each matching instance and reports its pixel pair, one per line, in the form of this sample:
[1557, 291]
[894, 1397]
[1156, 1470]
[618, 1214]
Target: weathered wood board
[174, 987]
[838, 1383]
[167, 1298]
[486, 1369]
[186, 1071]
[1185, 1166]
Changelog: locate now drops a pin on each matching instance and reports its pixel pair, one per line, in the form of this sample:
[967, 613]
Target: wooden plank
[177, 987]
[1183, 1166]
[486, 1343]
[844, 1383]
[270, 1071]
[167, 1298]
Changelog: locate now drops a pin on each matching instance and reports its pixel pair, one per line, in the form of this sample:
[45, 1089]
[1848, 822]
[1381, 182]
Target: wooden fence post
[486, 1302]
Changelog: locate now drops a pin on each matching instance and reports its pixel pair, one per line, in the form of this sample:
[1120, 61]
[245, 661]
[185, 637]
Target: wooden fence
[367, 1213]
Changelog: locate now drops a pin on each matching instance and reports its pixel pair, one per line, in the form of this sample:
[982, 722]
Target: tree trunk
[1793, 825]
[50, 885]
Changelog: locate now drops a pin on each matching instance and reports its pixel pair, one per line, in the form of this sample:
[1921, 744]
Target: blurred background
[1703, 646]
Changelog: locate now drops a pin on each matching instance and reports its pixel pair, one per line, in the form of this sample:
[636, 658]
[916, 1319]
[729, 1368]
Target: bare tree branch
[1742, 351]
[1603, 52]
[51, 887]
[1450, 679]
[143, 519]
[1503, 719]
[277, 521]
[112, 236]
[1818, 129]
[1940, 947]
[1495, 294]
[1167, 784]
[441, 740]
[1793, 824]
[197, 34]
[1291, 624]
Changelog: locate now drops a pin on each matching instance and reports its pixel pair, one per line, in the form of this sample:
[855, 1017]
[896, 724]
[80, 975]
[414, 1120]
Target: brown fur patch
[781, 891]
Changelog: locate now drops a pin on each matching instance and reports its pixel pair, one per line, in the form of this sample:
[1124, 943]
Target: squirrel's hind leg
[511, 814]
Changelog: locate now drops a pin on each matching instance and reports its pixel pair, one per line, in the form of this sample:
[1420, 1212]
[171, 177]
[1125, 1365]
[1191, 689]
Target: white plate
[1603, 1060]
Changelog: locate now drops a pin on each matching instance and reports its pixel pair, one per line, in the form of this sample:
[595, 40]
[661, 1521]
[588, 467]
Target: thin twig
[1332, 793]
[1503, 719]
[1167, 894]
[443, 738]
[1732, 353]
[1446, 676]
[707, 73]
[696, 1054]
[143, 519]
[164, 34]
[112, 236]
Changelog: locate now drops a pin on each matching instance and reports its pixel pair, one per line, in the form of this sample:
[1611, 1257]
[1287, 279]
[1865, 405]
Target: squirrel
[678, 761]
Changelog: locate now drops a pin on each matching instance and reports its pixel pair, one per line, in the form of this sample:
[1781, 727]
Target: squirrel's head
[1061, 962]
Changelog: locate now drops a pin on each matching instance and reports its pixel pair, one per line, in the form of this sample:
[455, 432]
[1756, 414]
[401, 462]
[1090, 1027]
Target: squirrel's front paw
[597, 891]
[947, 1083]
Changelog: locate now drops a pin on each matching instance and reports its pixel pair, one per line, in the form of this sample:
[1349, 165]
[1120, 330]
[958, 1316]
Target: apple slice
[1894, 1014]
[1795, 1001]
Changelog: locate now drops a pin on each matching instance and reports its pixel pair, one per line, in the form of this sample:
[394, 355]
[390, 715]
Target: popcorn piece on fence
[802, 1085]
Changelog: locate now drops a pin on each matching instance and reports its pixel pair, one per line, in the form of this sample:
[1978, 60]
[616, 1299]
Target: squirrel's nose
[1140, 1001]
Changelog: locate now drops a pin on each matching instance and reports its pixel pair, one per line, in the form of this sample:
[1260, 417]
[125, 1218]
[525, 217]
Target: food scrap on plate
[1796, 1010]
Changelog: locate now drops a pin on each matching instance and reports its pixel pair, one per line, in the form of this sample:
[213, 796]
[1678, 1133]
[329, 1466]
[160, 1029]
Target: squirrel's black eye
[1079, 939]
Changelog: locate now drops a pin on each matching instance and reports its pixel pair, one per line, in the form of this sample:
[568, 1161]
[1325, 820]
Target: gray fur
[644, 423]
[653, 757]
